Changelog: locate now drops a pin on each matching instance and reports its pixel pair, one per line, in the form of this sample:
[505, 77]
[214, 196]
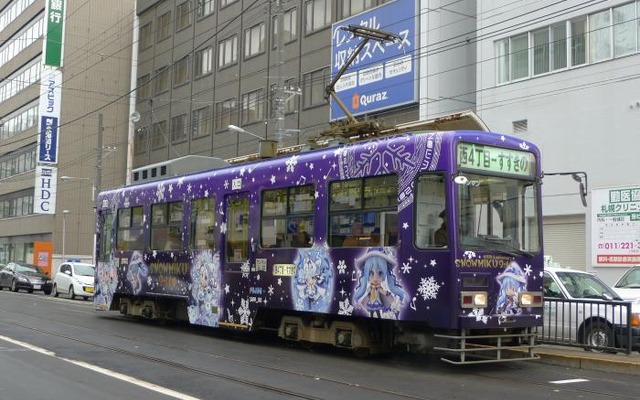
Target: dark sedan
[29, 277]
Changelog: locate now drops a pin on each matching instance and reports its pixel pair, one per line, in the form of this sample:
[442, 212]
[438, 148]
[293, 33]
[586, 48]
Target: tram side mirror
[461, 180]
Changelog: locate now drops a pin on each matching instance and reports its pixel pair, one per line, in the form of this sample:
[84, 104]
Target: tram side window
[363, 212]
[237, 235]
[430, 224]
[166, 226]
[287, 217]
[106, 233]
[129, 235]
[202, 224]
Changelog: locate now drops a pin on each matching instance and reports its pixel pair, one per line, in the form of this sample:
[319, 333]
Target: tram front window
[498, 213]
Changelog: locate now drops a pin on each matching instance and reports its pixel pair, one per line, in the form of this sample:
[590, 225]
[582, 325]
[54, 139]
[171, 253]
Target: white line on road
[113, 374]
[565, 381]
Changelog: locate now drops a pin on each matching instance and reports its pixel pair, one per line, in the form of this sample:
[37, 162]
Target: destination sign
[496, 159]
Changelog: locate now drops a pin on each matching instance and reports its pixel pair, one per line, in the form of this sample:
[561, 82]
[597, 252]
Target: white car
[74, 279]
[628, 286]
[580, 309]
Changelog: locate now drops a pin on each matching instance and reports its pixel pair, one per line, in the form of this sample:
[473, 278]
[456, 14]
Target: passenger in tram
[440, 237]
[353, 240]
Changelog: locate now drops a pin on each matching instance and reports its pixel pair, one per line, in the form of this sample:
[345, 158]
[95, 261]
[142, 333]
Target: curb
[591, 363]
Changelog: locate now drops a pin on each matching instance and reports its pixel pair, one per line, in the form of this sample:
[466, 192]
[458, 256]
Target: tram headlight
[531, 299]
[473, 299]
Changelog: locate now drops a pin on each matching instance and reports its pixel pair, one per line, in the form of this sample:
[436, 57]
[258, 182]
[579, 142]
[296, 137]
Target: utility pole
[279, 99]
[98, 180]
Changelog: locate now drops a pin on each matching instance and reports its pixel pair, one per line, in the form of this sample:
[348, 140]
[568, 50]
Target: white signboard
[49, 107]
[615, 226]
[45, 190]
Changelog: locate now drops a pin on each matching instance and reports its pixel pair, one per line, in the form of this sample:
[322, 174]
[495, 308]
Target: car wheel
[47, 292]
[598, 335]
[55, 290]
[14, 286]
[85, 297]
[30, 290]
[72, 294]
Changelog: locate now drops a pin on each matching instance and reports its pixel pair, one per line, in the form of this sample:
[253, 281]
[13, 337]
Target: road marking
[113, 374]
[565, 381]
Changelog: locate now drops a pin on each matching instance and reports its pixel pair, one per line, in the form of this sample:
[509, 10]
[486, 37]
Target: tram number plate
[284, 269]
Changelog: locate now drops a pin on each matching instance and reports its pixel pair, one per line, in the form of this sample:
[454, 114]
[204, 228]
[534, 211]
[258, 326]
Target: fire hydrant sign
[615, 226]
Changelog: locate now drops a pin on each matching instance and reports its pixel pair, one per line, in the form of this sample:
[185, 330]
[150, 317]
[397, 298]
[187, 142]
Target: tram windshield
[498, 213]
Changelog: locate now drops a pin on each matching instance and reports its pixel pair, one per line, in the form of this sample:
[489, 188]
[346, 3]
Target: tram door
[236, 238]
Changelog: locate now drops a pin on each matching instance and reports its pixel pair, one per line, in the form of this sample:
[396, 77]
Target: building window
[254, 40]
[520, 56]
[502, 57]
[226, 114]
[599, 36]
[161, 81]
[159, 134]
[318, 15]
[201, 122]
[541, 51]
[141, 140]
[205, 7]
[290, 28]
[179, 128]
[143, 88]
[146, 36]
[353, 7]
[19, 122]
[228, 51]
[624, 29]
[578, 41]
[224, 3]
[181, 72]
[183, 15]
[163, 26]
[252, 107]
[559, 46]
[204, 62]
[314, 84]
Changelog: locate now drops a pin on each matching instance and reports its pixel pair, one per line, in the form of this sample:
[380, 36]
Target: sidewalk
[575, 357]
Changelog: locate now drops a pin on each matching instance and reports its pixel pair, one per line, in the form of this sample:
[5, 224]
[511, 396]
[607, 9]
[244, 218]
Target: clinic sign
[383, 75]
[49, 107]
[54, 32]
[45, 190]
[615, 226]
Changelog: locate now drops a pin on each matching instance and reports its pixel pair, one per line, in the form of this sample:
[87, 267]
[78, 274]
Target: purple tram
[428, 240]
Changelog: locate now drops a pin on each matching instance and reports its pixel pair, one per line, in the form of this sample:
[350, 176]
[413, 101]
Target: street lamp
[93, 184]
[64, 231]
[240, 130]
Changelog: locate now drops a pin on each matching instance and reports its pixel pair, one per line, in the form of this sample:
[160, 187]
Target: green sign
[54, 33]
[495, 159]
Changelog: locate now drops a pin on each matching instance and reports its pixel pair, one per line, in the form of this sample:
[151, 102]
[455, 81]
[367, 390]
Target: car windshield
[586, 286]
[631, 279]
[28, 268]
[84, 270]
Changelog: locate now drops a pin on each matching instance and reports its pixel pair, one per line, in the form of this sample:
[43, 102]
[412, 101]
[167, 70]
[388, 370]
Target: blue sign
[384, 74]
[48, 140]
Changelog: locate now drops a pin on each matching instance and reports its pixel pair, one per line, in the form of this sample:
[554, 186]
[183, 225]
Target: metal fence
[597, 325]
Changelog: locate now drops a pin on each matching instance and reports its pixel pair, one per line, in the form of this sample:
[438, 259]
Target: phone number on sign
[618, 245]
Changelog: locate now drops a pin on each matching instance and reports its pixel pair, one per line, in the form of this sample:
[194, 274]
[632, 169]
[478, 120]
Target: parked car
[628, 286]
[581, 309]
[29, 277]
[74, 279]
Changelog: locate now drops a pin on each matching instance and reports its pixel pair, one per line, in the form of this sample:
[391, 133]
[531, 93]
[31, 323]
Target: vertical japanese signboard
[615, 226]
[49, 108]
[54, 32]
[383, 75]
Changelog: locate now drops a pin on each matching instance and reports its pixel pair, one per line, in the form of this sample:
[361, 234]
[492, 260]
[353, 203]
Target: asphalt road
[59, 348]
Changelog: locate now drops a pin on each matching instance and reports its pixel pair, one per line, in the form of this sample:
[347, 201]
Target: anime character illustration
[107, 283]
[137, 272]
[312, 282]
[512, 281]
[205, 289]
[378, 291]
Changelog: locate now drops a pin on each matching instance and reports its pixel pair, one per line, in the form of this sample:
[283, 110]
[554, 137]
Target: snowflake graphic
[342, 267]
[160, 192]
[227, 289]
[478, 313]
[406, 268]
[433, 263]
[223, 227]
[428, 288]
[469, 254]
[527, 270]
[270, 290]
[345, 307]
[245, 269]
[291, 163]
[244, 312]
[524, 146]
